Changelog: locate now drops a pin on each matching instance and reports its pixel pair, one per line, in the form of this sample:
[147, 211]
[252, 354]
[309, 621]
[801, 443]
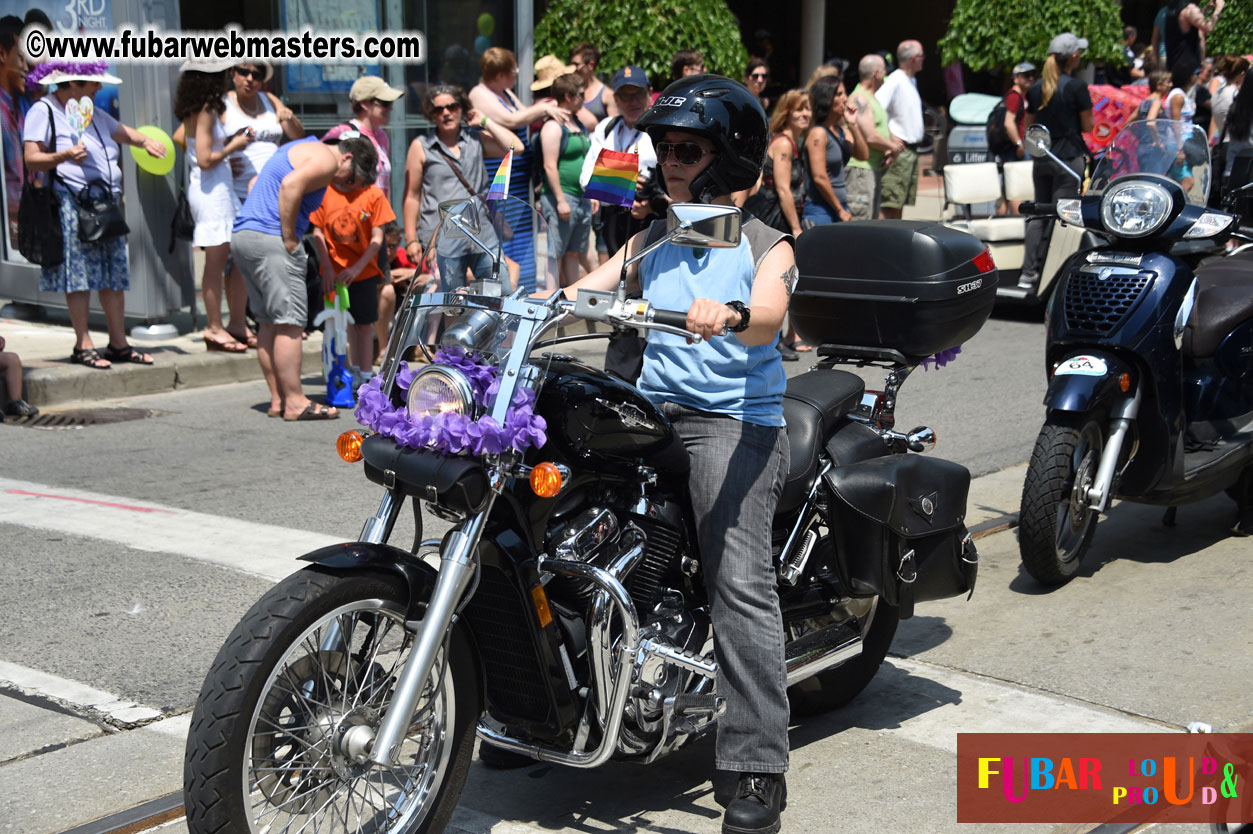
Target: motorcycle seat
[812, 405]
[1224, 300]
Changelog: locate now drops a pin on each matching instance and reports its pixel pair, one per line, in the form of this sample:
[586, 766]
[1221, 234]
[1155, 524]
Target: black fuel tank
[604, 422]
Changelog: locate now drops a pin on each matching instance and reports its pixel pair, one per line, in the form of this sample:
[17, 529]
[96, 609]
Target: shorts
[863, 186]
[566, 235]
[275, 278]
[900, 181]
[363, 300]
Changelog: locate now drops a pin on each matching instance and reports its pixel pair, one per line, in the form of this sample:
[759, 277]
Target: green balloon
[487, 24]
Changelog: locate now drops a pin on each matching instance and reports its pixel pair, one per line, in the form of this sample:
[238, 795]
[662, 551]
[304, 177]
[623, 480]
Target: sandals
[313, 411]
[233, 346]
[127, 354]
[249, 341]
[89, 357]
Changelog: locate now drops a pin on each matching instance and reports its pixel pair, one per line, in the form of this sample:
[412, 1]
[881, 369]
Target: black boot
[759, 799]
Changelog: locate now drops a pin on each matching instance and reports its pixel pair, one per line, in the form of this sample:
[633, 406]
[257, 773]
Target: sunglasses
[259, 75]
[759, 75]
[436, 109]
[386, 105]
[685, 153]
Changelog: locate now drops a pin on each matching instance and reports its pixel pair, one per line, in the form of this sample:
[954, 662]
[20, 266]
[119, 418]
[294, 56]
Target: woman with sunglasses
[448, 165]
[248, 107]
[372, 99]
[77, 159]
[724, 396]
[755, 79]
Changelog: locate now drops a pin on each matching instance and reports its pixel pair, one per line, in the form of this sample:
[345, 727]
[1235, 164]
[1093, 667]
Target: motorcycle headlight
[1135, 208]
[439, 389]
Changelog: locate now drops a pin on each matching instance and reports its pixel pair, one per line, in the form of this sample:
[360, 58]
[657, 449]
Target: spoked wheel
[1055, 524]
[280, 736]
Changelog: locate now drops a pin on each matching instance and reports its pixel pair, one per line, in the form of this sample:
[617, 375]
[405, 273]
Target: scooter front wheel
[280, 735]
[1055, 523]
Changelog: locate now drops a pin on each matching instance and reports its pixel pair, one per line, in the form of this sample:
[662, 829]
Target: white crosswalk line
[259, 549]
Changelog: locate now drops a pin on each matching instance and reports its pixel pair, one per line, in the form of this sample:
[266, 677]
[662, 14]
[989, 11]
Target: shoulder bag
[39, 237]
[100, 217]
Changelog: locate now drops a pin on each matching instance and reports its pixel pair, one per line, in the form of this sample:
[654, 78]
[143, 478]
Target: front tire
[277, 733]
[1056, 524]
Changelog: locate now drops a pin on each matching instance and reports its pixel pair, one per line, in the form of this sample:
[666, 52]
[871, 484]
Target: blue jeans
[452, 269]
[737, 476]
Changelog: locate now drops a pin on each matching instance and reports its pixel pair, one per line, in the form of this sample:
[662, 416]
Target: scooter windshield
[1175, 149]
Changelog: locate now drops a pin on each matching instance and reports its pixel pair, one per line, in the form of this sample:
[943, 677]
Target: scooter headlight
[1135, 208]
[438, 389]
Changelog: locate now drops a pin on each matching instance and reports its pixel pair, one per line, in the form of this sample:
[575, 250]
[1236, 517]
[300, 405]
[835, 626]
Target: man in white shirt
[899, 97]
[632, 94]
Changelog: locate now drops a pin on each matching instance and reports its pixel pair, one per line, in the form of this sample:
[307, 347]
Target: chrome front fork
[458, 563]
[1120, 424]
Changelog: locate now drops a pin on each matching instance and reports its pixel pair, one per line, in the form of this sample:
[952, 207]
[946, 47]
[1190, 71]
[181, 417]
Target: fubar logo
[1104, 777]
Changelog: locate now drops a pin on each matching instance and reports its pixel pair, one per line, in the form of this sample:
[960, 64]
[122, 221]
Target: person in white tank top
[248, 106]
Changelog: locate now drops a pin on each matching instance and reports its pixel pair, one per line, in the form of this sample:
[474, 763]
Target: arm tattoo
[789, 277]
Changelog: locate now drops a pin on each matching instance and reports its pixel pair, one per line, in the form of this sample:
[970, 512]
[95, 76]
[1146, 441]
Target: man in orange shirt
[347, 235]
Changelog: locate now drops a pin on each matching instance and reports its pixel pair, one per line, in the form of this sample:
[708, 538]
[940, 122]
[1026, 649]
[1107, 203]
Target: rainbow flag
[500, 183]
[613, 178]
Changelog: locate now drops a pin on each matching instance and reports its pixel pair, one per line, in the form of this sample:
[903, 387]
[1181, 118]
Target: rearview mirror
[704, 226]
[460, 218]
[1037, 140]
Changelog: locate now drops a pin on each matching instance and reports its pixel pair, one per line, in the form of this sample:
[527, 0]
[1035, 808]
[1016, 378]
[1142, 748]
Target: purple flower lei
[941, 359]
[454, 433]
[67, 67]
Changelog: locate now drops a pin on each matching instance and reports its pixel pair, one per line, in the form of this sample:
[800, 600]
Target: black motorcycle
[1150, 351]
[567, 619]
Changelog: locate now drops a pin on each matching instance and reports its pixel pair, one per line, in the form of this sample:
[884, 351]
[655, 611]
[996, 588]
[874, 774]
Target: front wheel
[1055, 523]
[280, 732]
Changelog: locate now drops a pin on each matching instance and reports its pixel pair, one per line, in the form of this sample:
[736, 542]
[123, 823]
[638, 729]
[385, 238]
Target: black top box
[914, 287]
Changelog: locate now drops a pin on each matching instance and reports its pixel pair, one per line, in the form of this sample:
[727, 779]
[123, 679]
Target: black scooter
[1149, 354]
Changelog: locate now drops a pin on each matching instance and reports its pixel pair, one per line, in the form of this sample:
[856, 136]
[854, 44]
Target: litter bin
[968, 143]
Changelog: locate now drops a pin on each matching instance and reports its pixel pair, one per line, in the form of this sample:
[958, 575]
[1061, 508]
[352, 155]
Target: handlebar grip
[673, 318]
[1030, 207]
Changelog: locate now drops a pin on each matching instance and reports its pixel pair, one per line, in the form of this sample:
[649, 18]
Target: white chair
[980, 182]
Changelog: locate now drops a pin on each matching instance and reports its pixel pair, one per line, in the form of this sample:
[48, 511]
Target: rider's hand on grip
[673, 318]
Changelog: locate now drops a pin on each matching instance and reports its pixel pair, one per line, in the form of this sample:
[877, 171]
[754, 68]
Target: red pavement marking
[88, 501]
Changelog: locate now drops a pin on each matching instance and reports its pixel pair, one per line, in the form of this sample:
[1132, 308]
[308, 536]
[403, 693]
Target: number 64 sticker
[1082, 366]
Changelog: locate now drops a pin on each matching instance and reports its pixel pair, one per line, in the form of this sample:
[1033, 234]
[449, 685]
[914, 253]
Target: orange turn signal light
[546, 480]
[349, 446]
[1124, 383]
[541, 606]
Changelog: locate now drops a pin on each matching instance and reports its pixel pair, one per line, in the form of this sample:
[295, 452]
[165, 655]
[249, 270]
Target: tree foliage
[1234, 33]
[644, 33]
[991, 34]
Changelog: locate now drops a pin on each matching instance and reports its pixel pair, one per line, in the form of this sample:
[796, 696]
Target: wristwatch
[741, 308]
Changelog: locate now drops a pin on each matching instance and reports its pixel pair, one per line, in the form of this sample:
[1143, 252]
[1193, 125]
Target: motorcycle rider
[725, 399]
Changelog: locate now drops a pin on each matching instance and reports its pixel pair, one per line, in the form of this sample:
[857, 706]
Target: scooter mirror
[1037, 140]
[704, 226]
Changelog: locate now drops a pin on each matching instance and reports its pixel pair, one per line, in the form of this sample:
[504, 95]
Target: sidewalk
[182, 361]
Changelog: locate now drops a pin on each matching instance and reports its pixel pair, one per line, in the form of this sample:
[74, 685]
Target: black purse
[100, 217]
[39, 236]
[182, 225]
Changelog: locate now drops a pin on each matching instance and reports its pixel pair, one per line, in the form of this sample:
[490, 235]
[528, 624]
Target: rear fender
[1085, 390]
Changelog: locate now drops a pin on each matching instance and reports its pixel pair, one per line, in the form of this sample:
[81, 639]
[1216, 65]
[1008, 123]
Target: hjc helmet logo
[670, 101]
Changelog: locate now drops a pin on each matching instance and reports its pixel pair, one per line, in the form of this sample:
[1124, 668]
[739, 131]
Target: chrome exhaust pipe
[821, 650]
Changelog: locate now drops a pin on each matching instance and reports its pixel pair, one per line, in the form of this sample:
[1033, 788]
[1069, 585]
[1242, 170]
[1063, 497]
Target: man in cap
[372, 98]
[1015, 109]
[267, 249]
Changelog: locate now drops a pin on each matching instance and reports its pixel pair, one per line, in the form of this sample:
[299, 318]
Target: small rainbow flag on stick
[613, 178]
[500, 183]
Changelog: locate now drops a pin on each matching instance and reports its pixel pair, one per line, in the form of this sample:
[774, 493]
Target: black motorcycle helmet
[725, 113]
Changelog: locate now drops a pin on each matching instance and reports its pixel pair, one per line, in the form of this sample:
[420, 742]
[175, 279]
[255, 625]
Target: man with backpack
[1005, 122]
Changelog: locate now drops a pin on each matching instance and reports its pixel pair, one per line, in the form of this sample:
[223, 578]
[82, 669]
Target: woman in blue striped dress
[493, 96]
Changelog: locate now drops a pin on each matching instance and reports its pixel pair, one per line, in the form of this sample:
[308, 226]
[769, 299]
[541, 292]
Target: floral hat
[58, 72]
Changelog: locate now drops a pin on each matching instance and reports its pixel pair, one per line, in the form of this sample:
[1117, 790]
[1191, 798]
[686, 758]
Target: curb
[62, 385]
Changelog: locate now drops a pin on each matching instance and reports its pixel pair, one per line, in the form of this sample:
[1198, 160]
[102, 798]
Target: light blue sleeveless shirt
[721, 375]
[260, 210]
